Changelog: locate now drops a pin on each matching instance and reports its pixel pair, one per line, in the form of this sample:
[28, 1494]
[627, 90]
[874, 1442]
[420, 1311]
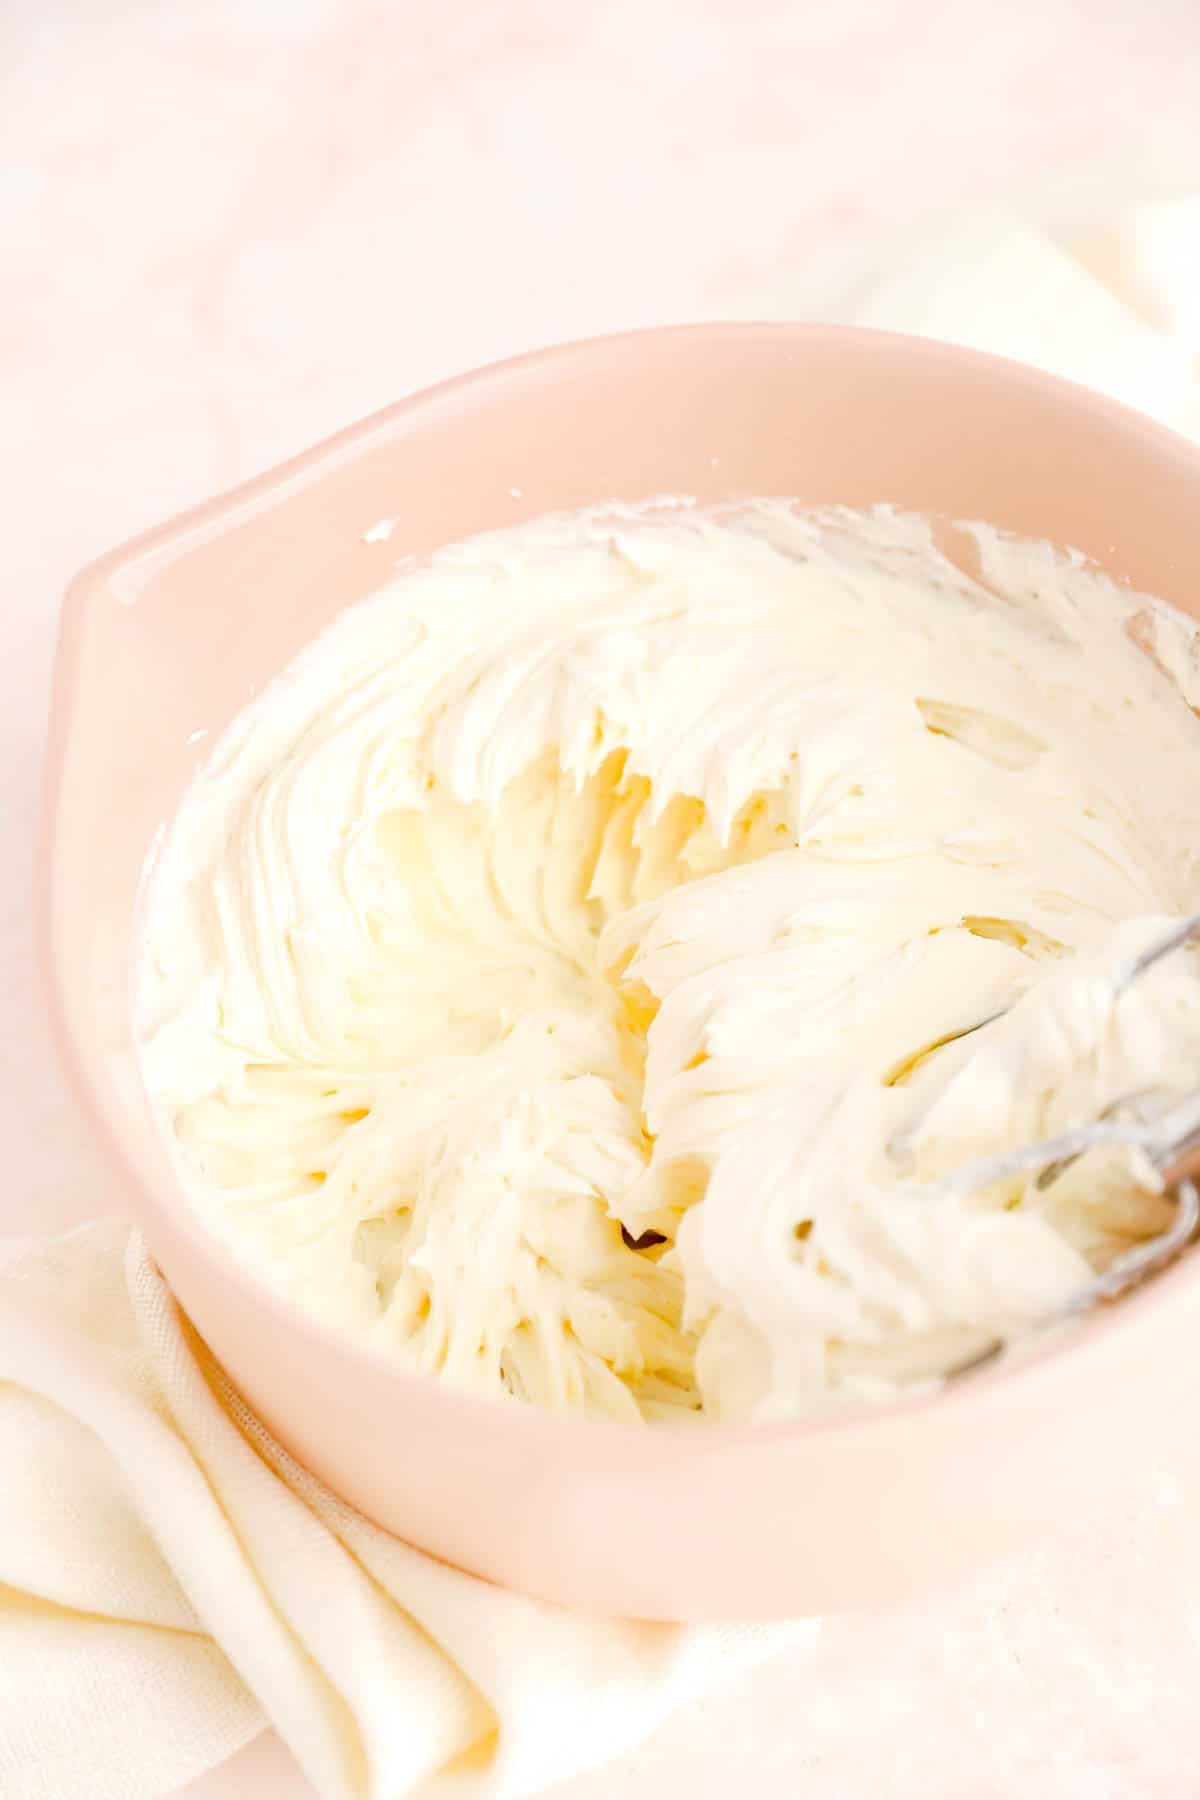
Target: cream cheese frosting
[566, 975]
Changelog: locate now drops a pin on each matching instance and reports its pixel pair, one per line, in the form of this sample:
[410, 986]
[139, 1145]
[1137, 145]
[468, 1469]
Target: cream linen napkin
[169, 1580]
[1108, 300]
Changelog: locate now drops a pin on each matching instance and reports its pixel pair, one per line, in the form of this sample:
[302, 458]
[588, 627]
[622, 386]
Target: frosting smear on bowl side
[541, 975]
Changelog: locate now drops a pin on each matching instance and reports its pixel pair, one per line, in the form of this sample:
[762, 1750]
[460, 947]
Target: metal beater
[1171, 1144]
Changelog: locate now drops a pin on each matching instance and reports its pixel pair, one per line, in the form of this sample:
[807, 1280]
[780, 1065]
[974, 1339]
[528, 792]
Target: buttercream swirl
[540, 976]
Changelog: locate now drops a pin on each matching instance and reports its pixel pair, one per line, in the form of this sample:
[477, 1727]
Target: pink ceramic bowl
[164, 640]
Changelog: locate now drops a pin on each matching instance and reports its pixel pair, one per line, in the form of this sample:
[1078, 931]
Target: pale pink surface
[231, 228]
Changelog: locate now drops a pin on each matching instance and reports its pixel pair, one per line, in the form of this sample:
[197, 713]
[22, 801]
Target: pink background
[230, 228]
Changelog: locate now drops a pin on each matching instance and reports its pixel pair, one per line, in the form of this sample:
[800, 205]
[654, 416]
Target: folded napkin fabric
[1114, 305]
[170, 1580]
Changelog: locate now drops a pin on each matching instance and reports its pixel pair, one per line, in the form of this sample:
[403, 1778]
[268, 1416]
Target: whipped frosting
[566, 974]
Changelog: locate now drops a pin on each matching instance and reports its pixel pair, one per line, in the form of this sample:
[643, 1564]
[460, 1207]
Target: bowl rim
[996, 1388]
